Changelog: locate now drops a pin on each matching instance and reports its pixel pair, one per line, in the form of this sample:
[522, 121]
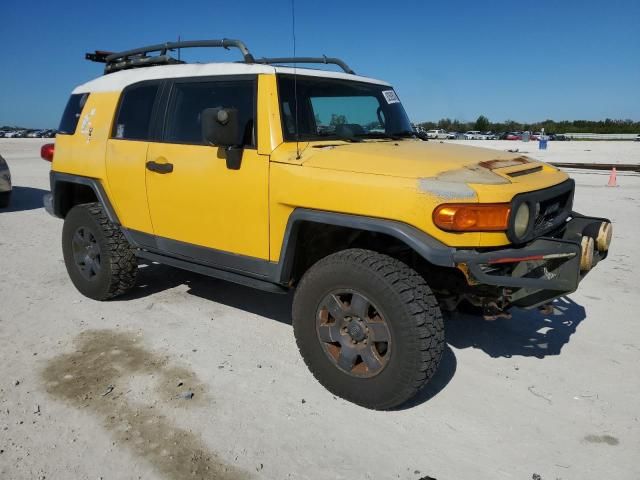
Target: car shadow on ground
[154, 278]
[529, 333]
[25, 198]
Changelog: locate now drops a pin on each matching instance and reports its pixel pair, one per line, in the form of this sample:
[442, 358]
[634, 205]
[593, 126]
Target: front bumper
[538, 272]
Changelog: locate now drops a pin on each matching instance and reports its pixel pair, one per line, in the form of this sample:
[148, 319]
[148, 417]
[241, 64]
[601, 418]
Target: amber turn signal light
[463, 217]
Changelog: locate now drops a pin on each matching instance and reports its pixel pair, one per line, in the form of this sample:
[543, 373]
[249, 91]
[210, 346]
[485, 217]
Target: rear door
[132, 129]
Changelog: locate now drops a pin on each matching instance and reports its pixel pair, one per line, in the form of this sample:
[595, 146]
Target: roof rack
[138, 56]
[323, 59]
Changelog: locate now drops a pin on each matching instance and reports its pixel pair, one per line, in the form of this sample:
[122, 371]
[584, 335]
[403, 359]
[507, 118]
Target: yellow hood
[410, 159]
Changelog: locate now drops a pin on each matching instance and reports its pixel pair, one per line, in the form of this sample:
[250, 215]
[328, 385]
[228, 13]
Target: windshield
[330, 108]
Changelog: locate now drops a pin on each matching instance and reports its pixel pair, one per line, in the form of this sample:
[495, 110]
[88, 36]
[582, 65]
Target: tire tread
[428, 328]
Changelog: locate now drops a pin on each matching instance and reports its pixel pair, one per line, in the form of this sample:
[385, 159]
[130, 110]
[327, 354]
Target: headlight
[521, 220]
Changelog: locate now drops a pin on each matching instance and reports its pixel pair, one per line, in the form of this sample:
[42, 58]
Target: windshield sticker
[390, 96]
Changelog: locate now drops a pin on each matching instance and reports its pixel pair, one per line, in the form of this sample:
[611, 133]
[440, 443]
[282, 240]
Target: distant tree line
[550, 126]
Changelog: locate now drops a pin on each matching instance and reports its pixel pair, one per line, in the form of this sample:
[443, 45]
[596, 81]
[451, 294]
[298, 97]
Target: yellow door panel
[204, 203]
[126, 177]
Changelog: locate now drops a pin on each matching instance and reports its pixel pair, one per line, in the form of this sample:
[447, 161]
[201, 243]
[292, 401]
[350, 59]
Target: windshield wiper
[346, 138]
[391, 136]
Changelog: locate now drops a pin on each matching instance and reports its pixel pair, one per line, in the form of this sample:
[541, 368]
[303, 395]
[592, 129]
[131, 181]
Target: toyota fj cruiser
[287, 178]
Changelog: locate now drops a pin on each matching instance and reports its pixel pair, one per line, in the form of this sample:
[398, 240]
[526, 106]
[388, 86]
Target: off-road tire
[118, 264]
[411, 312]
[5, 199]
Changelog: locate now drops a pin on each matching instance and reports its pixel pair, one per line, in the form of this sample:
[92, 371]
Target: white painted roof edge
[115, 82]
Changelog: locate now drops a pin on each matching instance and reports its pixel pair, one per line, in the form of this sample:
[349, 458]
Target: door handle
[160, 167]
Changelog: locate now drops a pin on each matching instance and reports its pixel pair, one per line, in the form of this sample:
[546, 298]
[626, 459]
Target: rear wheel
[368, 327]
[99, 260]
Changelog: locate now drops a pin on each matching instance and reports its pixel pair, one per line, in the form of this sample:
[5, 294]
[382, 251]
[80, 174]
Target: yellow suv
[287, 178]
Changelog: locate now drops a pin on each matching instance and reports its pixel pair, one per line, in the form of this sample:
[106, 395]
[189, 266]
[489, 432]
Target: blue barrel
[542, 144]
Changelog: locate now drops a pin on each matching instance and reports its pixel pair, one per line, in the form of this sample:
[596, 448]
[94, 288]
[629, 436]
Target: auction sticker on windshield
[390, 96]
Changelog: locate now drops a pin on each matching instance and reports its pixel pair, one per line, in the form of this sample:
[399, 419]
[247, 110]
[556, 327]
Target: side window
[191, 98]
[133, 120]
[72, 113]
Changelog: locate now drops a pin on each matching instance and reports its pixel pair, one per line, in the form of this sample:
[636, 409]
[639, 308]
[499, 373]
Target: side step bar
[212, 272]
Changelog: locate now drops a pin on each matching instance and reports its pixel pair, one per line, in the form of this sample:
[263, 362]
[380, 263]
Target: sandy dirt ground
[92, 390]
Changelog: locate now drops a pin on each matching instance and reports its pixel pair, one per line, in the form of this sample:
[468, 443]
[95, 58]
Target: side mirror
[221, 128]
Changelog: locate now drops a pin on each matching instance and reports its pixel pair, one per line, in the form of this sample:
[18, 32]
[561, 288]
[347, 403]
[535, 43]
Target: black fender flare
[56, 178]
[423, 244]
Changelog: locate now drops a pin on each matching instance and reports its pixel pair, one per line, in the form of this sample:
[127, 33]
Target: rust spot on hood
[512, 162]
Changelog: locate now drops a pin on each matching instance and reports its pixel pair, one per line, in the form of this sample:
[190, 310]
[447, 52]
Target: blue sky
[563, 59]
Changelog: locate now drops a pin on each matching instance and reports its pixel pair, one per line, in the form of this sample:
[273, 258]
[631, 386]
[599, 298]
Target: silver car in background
[5, 183]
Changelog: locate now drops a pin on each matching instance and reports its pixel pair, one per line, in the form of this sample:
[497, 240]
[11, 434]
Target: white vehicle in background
[474, 135]
[437, 133]
[452, 135]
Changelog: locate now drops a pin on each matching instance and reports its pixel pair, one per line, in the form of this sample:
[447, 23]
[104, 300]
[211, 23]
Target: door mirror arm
[234, 157]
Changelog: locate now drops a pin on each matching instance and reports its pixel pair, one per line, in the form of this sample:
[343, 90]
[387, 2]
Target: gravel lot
[555, 396]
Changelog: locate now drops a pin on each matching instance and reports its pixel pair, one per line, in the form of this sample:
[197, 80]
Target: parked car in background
[5, 184]
[638, 138]
[559, 137]
[437, 133]
[422, 135]
[490, 136]
[510, 136]
[452, 135]
[49, 133]
[474, 135]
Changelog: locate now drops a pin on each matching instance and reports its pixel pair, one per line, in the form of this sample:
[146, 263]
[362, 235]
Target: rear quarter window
[133, 120]
[72, 113]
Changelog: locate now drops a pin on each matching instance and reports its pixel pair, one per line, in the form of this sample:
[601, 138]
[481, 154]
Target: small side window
[72, 113]
[133, 119]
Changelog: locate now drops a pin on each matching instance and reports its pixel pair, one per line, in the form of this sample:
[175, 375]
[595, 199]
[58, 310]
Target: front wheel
[368, 327]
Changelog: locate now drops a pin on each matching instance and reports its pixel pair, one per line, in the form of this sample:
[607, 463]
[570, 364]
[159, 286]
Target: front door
[199, 208]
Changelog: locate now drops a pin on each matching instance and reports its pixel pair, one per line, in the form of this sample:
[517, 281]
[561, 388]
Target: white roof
[115, 82]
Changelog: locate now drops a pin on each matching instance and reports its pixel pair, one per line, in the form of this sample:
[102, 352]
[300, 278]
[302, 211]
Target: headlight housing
[521, 220]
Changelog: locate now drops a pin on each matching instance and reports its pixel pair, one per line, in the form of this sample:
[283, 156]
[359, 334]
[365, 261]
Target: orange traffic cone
[613, 178]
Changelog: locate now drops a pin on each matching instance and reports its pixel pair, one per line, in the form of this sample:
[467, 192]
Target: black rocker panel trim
[240, 264]
[213, 272]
